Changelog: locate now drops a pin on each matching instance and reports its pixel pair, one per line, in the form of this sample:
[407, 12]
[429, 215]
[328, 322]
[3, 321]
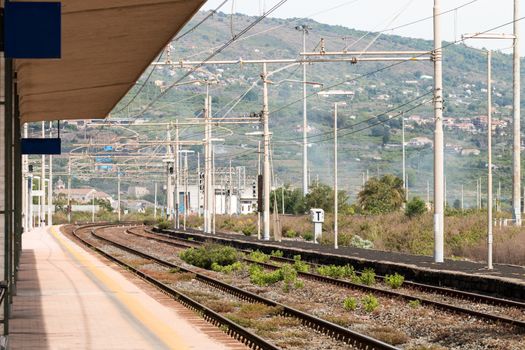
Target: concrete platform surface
[68, 298]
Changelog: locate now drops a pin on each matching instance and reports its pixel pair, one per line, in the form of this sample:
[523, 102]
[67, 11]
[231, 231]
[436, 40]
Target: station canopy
[106, 46]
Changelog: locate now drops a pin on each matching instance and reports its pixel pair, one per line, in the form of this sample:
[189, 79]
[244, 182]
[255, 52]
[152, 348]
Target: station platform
[504, 280]
[69, 298]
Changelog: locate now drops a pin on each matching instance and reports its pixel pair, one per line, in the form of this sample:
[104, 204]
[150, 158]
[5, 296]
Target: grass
[465, 233]
[210, 255]
[394, 281]
[389, 335]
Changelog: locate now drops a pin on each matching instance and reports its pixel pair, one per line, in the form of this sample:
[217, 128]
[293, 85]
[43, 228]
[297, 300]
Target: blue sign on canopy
[32, 29]
[40, 146]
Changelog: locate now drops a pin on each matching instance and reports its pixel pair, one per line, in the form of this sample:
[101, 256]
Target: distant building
[420, 142]
[83, 195]
[137, 191]
[470, 152]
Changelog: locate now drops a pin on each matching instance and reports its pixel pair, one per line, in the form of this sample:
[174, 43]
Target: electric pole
[50, 185]
[118, 193]
[438, 138]
[177, 173]
[516, 162]
[489, 160]
[266, 167]
[304, 29]
[69, 207]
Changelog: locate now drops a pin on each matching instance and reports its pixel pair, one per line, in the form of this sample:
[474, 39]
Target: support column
[438, 139]
[516, 161]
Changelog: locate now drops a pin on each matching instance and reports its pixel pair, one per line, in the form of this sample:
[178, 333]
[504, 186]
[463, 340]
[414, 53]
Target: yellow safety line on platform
[162, 330]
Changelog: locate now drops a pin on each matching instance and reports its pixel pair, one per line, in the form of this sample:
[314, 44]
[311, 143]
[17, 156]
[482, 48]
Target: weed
[370, 303]
[299, 265]
[290, 234]
[236, 266]
[220, 306]
[277, 253]
[350, 303]
[368, 277]
[174, 270]
[289, 276]
[308, 236]
[261, 278]
[208, 254]
[394, 281]
[163, 224]
[259, 256]
[389, 335]
[414, 304]
[334, 271]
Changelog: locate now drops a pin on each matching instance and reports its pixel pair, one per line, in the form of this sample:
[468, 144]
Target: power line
[215, 53]
[395, 64]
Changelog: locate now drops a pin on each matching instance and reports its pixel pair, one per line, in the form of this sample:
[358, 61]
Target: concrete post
[266, 171]
[516, 161]
[438, 139]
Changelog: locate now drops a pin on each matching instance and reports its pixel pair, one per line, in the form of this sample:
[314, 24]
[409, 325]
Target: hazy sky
[376, 15]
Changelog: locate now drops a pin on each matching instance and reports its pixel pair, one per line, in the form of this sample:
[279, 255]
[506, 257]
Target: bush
[249, 229]
[350, 303]
[261, 278]
[308, 236]
[277, 253]
[394, 281]
[414, 304]
[359, 242]
[236, 266]
[334, 271]
[300, 266]
[368, 277]
[370, 303]
[209, 254]
[415, 207]
[290, 234]
[287, 274]
[164, 224]
[259, 256]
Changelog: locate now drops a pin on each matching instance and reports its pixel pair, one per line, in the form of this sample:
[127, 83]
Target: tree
[415, 207]
[322, 196]
[382, 195]
[293, 200]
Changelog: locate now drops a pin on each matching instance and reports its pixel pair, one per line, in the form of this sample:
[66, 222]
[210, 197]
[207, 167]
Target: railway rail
[467, 296]
[327, 328]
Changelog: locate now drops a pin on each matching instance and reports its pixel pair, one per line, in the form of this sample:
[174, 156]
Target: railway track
[465, 295]
[184, 244]
[334, 331]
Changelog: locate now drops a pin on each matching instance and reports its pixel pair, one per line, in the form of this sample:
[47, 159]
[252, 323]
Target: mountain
[369, 141]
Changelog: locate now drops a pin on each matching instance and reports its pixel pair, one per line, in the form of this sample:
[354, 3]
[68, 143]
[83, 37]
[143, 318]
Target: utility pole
[186, 201]
[118, 193]
[336, 199]
[438, 138]
[214, 200]
[266, 171]
[177, 175]
[93, 207]
[43, 183]
[155, 207]
[69, 207]
[516, 161]
[304, 29]
[169, 175]
[198, 184]
[489, 160]
[50, 186]
[258, 174]
[405, 185]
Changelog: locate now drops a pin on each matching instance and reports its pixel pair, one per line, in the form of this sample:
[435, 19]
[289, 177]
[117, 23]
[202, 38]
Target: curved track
[339, 333]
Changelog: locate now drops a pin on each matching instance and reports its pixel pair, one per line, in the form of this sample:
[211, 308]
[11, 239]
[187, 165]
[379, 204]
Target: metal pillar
[489, 161]
[438, 139]
[155, 207]
[516, 161]
[405, 185]
[69, 207]
[50, 186]
[266, 171]
[118, 194]
[336, 199]
[177, 175]
[43, 183]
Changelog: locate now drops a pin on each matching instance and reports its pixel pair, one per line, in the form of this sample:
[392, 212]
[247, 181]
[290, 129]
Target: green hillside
[375, 149]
